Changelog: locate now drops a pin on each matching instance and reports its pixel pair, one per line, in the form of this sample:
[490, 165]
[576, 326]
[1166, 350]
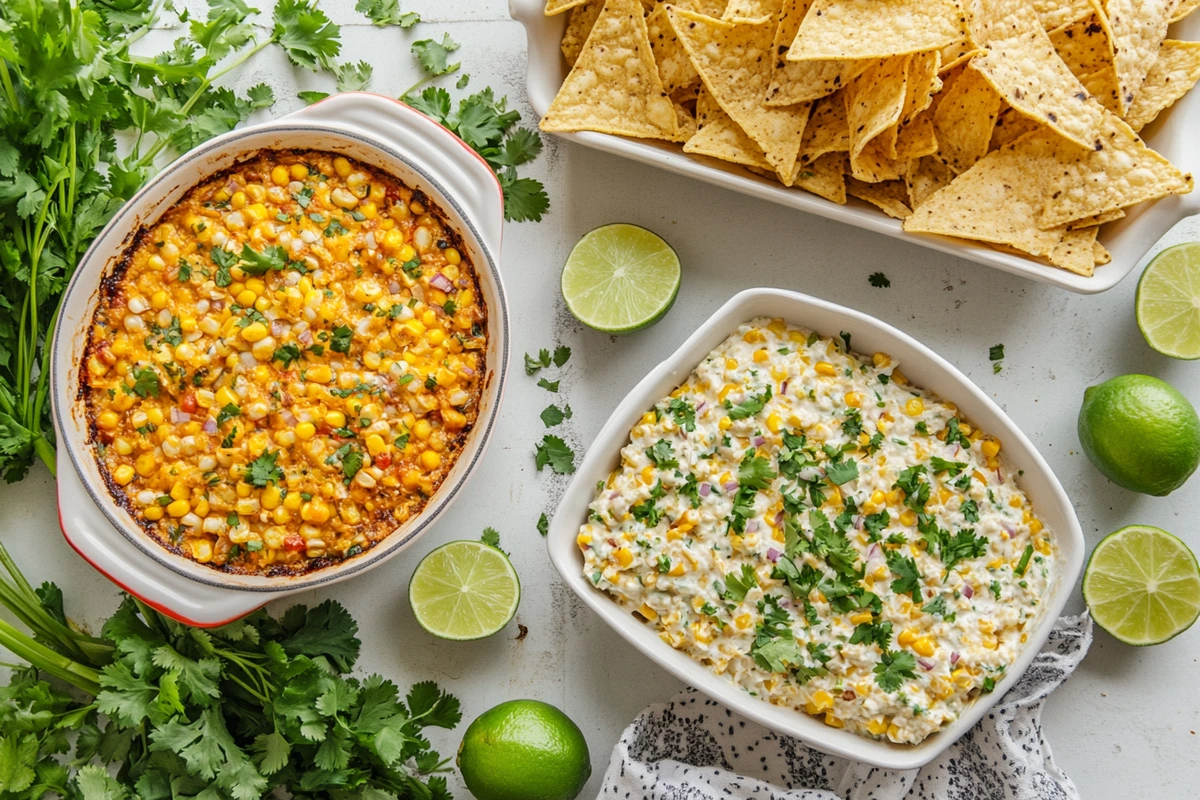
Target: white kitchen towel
[693, 748]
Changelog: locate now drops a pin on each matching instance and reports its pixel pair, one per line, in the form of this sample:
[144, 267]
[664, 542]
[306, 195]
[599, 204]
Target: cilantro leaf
[306, 35]
[879, 633]
[286, 354]
[491, 537]
[253, 262]
[562, 354]
[228, 412]
[662, 455]
[964, 545]
[552, 415]
[970, 510]
[554, 452]
[434, 56]
[533, 364]
[838, 472]
[146, 383]
[954, 434]
[263, 470]
[543, 524]
[550, 386]
[340, 342]
[908, 578]
[737, 585]
[893, 667]
[683, 413]
[952, 468]
[748, 407]
[387, 12]
[879, 280]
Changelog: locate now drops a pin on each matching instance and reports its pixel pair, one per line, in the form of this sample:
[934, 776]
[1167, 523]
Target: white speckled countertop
[1115, 726]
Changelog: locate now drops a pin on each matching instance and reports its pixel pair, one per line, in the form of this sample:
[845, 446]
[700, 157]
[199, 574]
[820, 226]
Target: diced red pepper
[383, 460]
[294, 542]
[188, 403]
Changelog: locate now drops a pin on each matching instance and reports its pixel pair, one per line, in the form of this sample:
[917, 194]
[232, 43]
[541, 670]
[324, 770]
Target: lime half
[620, 278]
[1142, 585]
[1168, 302]
[464, 590]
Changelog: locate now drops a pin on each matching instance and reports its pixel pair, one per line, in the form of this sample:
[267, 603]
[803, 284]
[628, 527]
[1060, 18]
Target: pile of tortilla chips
[1010, 122]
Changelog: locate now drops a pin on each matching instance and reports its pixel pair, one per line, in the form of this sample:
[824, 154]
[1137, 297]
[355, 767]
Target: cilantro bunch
[69, 84]
[237, 712]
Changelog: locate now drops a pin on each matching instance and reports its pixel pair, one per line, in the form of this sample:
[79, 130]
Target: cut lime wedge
[620, 278]
[1168, 302]
[1142, 585]
[464, 590]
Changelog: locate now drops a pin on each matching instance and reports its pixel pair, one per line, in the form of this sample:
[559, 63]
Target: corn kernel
[878, 726]
[178, 508]
[202, 550]
[293, 501]
[881, 360]
[422, 429]
[825, 368]
[915, 407]
[270, 498]
[990, 447]
[906, 637]
[305, 431]
[108, 420]
[238, 201]
[774, 423]
[123, 474]
[153, 513]
[431, 460]
[342, 167]
[255, 332]
[924, 646]
[624, 556]
[298, 172]
[725, 424]
[761, 356]
[908, 518]
[861, 617]
[853, 399]
[281, 176]
[583, 539]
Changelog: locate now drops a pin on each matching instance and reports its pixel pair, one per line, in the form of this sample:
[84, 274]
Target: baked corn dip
[284, 367]
[805, 522]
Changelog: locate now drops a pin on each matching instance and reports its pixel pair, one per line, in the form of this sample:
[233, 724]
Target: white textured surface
[1121, 727]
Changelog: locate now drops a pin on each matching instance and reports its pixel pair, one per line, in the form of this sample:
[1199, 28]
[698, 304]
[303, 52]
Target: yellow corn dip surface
[285, 366]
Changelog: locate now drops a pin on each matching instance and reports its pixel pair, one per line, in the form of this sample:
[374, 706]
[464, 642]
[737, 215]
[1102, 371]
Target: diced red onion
[178, 416]
[729, 487]
[1009, 528]
[614, 495]
[279, 327]
[779, 519]
[873, 550]
[858, 522]
[926, 664]
[759, 441]
[700, 408]
[288, 418]
[953, 659]
[210, 426]
[752, 526]
[783, 387]
[305, 337]
[217, 305]
[773, 555]
[705, 489]
[999, 475]
[967, 591]
[440, 281]
[394, 287]
[954, 452]
[465, 370]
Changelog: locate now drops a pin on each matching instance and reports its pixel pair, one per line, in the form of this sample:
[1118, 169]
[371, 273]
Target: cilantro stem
[46, 660]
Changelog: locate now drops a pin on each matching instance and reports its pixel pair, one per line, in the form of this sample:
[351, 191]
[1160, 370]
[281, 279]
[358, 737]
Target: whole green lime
[1141, 433]
[524, 750]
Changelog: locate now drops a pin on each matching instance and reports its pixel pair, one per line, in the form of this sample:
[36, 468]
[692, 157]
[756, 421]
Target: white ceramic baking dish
[1173, 135]
[924, 368]
[377, 130]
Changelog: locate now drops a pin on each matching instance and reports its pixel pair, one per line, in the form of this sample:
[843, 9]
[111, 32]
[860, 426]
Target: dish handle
[426, 145]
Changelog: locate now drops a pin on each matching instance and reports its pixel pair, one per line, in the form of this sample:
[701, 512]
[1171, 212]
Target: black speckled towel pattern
[693, 748]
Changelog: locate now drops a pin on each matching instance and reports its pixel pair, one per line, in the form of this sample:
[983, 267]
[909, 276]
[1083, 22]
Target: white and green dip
[803, 521]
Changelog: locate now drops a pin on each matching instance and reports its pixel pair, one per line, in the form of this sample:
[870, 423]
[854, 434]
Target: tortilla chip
[827, 131]
[1118, 172]
[717, 135]
[1056, 13]
[1172, 76]
[1183, 8]
[1136, 29]
[1076, 252]
[578, 27]
[825, 177]
[559, 6]
[1024, 68]
[1083, 46]
[917, 139]
[1100, 254]
[751, 11]
[924, 177]
[874, 102]
[921, 84]
[998, 201]
[614, 86]
[1010, 126]
[1096, 220]
[734, 63]
[856, 29]
[890, 197]
[799, 81]
[956, 53]
[685, 121]
[674, 66]
[965, 118]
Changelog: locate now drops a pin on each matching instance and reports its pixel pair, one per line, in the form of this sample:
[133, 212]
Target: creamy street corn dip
[285, 366]
[805, 522]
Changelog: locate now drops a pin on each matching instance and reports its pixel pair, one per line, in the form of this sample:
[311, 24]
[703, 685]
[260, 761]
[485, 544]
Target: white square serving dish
[1173, 134]
[924, 368]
